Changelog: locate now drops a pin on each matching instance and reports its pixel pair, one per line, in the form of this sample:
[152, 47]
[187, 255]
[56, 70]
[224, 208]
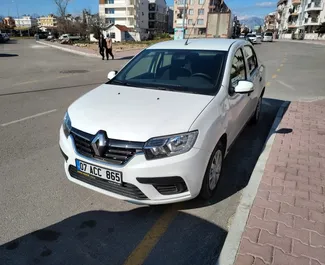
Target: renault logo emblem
[99, 143]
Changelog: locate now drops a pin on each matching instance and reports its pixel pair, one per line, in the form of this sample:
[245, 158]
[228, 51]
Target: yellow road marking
[274, 76]
[268, 84]
[141, 252]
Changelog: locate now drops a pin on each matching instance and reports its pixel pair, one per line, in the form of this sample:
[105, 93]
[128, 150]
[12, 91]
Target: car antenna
[186, 42]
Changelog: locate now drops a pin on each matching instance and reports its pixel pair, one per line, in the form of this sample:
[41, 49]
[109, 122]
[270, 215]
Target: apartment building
[158, 12]
[194, 13]
[270, 22]
[133, 14]
[49, 21]
[300, 15]
[9, 22]
[26, 22]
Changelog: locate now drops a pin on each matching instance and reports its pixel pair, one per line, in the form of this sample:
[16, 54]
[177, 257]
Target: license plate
[99, 172]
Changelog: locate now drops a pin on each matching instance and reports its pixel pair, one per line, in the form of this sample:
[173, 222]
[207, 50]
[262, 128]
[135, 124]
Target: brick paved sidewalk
[286, 224]
[89, 52]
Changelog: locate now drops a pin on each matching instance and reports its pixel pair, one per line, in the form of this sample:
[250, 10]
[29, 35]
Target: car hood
[136, 114]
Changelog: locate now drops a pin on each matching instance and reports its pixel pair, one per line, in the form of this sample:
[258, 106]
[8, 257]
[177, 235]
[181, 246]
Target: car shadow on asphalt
[102, 237]
[8, 55]
[243, 156]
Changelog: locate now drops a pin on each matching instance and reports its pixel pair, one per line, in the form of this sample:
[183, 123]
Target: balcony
[126, 3]
[292, 25]
[296, 2]
[315, 6]
[312, 21]
[120, 15]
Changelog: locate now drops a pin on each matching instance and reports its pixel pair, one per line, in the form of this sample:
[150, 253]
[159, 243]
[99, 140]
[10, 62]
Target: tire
[256, 116]
[210, 184]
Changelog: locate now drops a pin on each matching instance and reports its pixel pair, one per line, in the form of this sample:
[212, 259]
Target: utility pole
[18, 16]
[184, 14]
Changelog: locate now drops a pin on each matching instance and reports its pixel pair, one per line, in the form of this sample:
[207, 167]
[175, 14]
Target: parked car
[2, 40]
[69, 37]
[268, 37]
[254, 38]
[158, 131]
[5, 37]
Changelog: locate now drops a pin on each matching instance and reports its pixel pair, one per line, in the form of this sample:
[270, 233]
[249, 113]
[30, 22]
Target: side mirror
[244, 87]
[111, 75]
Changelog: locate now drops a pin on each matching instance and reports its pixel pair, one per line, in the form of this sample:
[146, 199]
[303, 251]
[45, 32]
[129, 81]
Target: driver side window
[238, 70]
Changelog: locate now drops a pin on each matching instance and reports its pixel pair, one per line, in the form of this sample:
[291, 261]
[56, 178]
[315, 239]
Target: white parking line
[29, 117]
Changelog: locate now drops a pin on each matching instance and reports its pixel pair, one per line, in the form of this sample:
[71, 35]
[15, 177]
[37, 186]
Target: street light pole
[184, 14]
[17, 16]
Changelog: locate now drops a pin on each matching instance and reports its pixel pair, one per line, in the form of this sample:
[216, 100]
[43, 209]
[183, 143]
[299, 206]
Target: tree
[259, 30]
[321, 29]
[62, 7]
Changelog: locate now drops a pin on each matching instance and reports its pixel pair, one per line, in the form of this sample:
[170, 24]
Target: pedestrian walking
[109, 47]
[102, 45]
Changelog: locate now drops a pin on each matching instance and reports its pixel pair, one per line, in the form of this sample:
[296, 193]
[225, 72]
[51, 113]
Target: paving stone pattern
[286, 225]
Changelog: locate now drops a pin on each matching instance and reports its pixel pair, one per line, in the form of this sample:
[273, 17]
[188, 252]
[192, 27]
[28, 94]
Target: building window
[191, 2]
[190, 22]
[111, 11]
[180, 2]
[200, 21]
[201, 11]
[191, 12]
[110, 1]
[112, 35]
[110, 20]
[201, 2]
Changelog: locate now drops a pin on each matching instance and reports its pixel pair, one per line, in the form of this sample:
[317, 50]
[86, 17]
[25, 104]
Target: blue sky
[242, 8]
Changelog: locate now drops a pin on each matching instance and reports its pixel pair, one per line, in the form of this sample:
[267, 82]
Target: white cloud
[245, 17]
[266, 4]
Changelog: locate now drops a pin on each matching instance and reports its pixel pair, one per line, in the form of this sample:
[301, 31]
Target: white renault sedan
[255, 39]
[158, 131]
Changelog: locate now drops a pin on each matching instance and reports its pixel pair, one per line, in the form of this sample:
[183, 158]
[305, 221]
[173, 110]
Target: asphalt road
[48, 220]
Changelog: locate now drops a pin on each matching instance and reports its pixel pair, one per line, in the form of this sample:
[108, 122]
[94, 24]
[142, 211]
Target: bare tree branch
[62, 7]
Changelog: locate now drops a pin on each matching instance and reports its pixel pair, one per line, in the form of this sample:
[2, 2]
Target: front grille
[126, 189]
[117, 152]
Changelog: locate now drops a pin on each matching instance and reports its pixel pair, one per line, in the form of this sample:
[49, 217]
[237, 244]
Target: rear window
[269, 34]
[251, 35]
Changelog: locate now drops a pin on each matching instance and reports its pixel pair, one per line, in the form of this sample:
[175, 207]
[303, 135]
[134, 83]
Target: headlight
[170, 145]
[66, 125]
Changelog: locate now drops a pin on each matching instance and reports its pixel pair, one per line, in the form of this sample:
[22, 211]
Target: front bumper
[141, 178]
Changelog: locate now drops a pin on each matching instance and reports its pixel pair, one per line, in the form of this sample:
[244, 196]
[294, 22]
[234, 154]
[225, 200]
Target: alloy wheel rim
[215, 170]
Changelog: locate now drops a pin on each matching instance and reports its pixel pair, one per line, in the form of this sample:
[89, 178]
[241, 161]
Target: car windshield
[188, 71]
[251, 35]
[268, 34]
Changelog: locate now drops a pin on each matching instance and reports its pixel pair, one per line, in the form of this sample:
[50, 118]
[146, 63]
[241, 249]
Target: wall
[308, 36]
[219, 24]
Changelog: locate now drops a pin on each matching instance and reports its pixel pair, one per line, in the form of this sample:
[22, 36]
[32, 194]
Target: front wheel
[213, 172]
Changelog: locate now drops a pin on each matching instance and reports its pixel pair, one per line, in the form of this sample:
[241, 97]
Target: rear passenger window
[238, 70]
[251, 59]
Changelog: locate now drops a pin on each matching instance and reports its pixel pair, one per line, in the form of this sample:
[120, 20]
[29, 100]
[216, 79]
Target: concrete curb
[69, 50]
[229, 251]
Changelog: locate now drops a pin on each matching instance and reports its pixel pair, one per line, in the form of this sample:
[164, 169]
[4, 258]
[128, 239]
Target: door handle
[261, 78]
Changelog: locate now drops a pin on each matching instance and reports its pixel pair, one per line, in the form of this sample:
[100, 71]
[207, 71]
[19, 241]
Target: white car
[254, 38]
[268, 37]
[158, 131]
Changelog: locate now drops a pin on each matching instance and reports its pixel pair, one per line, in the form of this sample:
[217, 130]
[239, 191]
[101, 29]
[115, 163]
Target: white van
[268, 36]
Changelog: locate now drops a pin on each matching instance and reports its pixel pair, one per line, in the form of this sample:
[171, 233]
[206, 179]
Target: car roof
[213, 44]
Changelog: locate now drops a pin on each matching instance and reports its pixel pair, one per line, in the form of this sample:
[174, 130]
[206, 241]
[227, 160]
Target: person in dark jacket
[102, 45]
